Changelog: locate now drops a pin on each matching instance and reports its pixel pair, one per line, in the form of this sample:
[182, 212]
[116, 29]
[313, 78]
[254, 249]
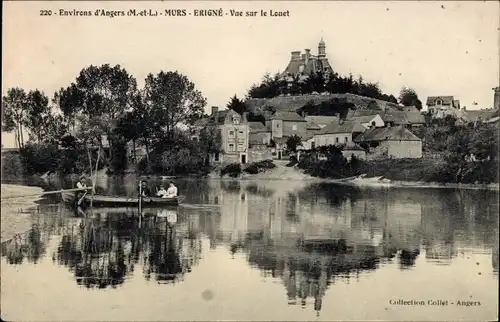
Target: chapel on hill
[304, 64]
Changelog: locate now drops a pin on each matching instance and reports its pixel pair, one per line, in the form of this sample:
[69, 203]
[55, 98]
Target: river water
[268, 250]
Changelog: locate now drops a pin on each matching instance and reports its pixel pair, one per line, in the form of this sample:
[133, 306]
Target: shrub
[233, 170]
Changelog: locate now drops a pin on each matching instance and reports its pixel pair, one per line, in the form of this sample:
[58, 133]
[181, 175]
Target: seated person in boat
[161, 192]
[81, 182]
[144, 189]
[172, 191]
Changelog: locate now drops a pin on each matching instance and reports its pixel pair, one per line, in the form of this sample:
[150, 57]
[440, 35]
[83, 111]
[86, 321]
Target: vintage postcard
[250, 160]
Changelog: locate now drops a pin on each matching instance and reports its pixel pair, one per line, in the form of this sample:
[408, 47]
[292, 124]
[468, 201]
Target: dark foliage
[233, 170]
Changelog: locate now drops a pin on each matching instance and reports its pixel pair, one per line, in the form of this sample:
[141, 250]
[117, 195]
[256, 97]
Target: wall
[404, 149]
[239, 138]
[300, 128]
[330, 139]
[358, 153]
[259, 155]
[276, 128]
[378, 122]
[261, 137]
[306, 145]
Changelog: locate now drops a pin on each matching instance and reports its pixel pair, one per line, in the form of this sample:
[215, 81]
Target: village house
[353, 150]
[286, 124]
[390, 142]
[440, 106]
[234, 130]
[338, 133]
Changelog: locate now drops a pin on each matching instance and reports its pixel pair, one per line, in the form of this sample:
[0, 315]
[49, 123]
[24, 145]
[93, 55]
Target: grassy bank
[405, 170]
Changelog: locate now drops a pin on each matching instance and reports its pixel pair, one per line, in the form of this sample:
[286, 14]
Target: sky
[436, 48]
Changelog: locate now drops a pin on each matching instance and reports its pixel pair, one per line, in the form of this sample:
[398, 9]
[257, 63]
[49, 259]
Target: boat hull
[116, 201]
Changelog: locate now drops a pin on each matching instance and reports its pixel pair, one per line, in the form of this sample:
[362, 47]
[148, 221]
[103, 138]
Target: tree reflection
[103, 250]
[29, 245]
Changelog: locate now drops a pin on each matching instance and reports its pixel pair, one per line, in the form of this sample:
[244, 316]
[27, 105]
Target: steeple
[321, 48]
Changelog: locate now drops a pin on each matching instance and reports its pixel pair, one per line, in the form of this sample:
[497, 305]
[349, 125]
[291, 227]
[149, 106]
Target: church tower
[321, 48]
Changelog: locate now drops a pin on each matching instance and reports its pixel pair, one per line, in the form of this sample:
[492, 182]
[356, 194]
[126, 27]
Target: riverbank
[14, 217]
[380, 182]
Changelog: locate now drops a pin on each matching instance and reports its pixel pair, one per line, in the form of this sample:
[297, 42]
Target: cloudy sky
[437, 48]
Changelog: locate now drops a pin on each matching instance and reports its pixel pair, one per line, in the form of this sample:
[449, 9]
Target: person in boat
[81, 184]
[144, 189]
[172, 191]
[161, 192]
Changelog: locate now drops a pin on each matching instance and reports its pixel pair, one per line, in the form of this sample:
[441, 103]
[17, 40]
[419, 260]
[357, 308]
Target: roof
[257, 127]
[473, 115]
[321, 120]
[396, 133]
[411, 116]
[311, 125]
[364, 118]
[287, 116]
[220, 116]
[431, 100]
[344, 127]
[352, 147]
[202, 122]
[493, 119]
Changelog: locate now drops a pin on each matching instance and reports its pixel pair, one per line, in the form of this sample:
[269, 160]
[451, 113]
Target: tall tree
[236, 105]
[102, 93]
[172, 99]
[293, 142]
[38, 116]
[15, 108]
[408, 97]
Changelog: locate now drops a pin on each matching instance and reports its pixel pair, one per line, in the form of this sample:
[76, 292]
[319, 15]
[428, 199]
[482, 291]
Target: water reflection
[308, 238]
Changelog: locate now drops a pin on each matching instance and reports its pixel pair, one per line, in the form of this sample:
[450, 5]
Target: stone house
[286, 124]
[234, 130]
[440, 106]
[391, 142]
[338, 133]
[351, 149]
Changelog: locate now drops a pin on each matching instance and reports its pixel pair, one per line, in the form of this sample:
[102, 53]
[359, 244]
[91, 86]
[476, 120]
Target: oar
[81, 199]
[48, 193]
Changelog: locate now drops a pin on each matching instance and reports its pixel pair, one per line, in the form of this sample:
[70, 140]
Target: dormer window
[236, 120]
[439, 102]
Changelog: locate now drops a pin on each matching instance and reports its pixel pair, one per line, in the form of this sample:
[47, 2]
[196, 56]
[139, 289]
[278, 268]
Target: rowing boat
[119, 201]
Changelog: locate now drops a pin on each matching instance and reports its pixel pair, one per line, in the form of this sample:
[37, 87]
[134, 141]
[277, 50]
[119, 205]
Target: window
[439, 102]
[277, 125]
[313, 145]
[216, 157]
[346, 139]
[294, 127]
[241, 141]
[337, 140]
[231, 147]
[236, 120]
[240, 132]
[240, 147]
[231, 133]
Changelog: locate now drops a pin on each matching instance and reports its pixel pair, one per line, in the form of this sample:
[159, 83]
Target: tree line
[106, 102]
[319, 82]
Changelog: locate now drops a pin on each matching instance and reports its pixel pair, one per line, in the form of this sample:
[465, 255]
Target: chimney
[295, 55]
[215, 109]
[307, 55]
[465, 108]
[304, 114]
